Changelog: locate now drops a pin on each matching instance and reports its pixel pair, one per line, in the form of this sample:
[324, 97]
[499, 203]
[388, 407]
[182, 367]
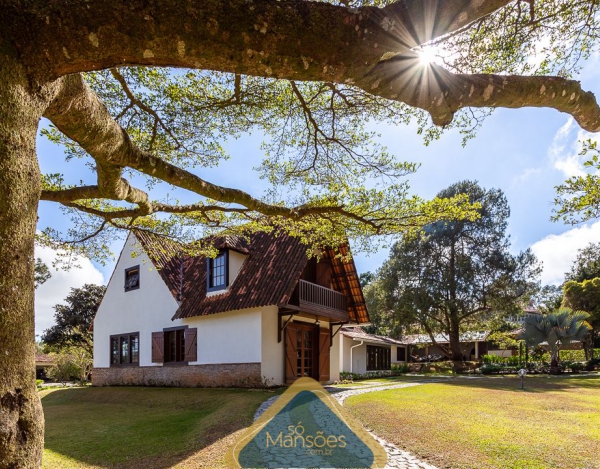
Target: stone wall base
[245, 375]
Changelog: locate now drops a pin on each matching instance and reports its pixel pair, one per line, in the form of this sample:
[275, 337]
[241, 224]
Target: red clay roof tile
[267, 277]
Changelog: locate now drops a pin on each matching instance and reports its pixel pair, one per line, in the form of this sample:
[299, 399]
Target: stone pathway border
[397, 458]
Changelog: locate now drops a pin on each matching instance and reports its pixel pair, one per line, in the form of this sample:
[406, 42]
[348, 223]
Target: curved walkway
[397, 458]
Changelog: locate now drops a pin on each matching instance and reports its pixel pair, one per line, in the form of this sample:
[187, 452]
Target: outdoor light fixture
[522, 372]
[317, 323]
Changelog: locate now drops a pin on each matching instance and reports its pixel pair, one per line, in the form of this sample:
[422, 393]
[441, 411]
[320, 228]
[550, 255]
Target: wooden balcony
[312, 298]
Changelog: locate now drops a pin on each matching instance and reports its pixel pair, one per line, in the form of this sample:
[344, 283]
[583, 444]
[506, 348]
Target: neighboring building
[42, 363]
[260, 312]
[363, 353]
[473, 344]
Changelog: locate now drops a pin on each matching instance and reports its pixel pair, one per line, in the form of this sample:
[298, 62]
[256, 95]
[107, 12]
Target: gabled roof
[357, 333]
[267, 277]
[43, 358]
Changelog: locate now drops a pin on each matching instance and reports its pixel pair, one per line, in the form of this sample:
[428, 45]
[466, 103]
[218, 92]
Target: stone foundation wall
[209, 376]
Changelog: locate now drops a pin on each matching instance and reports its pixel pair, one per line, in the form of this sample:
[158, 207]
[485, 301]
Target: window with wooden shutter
[324, 354]
[158, 347]
[191, 344]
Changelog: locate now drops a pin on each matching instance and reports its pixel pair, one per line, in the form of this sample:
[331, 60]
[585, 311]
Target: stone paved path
[397, 458]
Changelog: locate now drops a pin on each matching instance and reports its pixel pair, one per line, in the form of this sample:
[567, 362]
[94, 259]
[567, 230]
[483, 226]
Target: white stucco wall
[145, 310]
[230, 337]
[358, 354]
[395, 354]
[334, 371]
[272, 366]
[236, 260]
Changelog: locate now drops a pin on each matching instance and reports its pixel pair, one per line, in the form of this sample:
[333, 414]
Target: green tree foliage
[70, 363]
[454, 274]
[74, 319]
[578, 199]
[41, 272]
[587, 264]
[557, 330]
[585, 296]
[548, 298]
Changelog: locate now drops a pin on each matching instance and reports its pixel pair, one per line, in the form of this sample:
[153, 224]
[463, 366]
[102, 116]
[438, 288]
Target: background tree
[74, 319]
[262, 66]
[65, 367]
[585, 296]
[587, 264]
[578, 199]
[548, 298]
[558, 329]
[41, 273]
[456, 273]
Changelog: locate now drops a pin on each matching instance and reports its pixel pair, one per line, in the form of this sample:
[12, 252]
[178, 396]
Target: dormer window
[132, 278]
[217, 275]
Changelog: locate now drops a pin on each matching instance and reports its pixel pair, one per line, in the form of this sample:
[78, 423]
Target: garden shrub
[400, 368]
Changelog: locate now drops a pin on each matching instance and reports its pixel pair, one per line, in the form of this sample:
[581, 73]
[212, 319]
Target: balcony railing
[313, 298]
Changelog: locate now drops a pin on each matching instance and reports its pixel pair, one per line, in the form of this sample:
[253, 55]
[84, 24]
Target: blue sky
[524, 152]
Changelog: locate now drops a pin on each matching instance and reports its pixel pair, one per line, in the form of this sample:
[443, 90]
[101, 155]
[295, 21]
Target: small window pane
[114, 351]
[135, 349]
[132, 278]
[124, 350]
[218, 271]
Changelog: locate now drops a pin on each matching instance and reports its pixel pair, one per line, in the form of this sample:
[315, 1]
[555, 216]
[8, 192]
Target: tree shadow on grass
[136, 427]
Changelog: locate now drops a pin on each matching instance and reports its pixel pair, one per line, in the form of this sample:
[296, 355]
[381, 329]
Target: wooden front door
[306, 352]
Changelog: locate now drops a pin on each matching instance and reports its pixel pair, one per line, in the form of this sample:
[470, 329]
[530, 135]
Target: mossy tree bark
[21, 419]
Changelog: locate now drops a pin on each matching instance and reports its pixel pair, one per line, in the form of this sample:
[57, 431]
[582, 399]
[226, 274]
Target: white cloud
[58, 287]
[564, 152]
[557, 252]
[526, 175]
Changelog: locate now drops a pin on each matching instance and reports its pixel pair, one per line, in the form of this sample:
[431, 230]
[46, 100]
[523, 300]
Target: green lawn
[490, 423]
[143, 427]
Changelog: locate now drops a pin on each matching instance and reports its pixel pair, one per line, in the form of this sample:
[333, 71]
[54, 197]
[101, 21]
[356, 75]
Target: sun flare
[428, 55]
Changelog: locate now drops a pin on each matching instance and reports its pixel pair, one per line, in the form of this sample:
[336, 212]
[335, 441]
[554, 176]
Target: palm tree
[557, 329]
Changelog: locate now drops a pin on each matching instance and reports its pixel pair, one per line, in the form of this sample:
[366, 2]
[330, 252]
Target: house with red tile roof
[260, 312]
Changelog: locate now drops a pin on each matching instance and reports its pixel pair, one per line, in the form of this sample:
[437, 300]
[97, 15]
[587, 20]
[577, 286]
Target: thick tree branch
[281, 38]
[441, 93]
[80, 115]
[113, 186]
[367, 47]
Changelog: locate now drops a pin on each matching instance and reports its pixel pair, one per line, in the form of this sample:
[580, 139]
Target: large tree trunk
[454, 343]
[21, 419]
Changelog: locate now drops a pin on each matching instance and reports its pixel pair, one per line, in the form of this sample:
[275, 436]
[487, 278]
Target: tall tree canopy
[586, 266]
[74, 319]
[307, 74]
[582, 289]
[454, 273]
[585, 296]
